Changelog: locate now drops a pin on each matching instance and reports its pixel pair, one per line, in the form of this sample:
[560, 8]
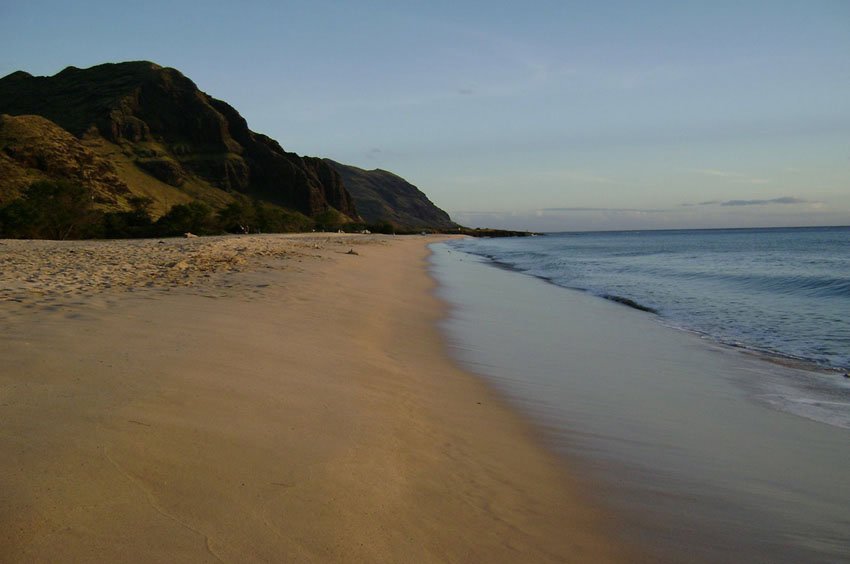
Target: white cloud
[735, 177]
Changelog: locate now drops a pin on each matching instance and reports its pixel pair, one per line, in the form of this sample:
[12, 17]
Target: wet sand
[266, 398]
[683, 434]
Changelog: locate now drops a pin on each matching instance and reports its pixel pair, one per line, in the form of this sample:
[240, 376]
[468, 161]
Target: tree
[384, 227]
[136, 222]
[16, 220]
[52, 209]
[272, 219]
[194, 217]
[238, 216]
[328, 220]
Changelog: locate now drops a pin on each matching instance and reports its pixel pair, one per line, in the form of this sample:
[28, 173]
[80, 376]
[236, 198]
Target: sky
[547, 116]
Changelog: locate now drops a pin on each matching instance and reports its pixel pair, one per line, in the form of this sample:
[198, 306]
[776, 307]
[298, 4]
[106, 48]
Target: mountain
[139, 129]
[382, 196]
[35, 148]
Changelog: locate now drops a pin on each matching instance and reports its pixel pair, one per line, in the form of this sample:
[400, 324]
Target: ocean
[717, 425]
[784, 292]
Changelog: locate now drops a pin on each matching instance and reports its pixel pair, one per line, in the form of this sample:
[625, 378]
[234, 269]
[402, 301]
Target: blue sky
[540, 115]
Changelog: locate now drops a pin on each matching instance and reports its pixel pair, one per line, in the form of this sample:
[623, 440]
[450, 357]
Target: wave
[791, 284]
[630, 303]
[788, 284]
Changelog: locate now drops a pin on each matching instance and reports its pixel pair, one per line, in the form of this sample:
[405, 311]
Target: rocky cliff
[140, 128]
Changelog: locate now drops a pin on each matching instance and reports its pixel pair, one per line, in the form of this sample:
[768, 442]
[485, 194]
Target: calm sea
[709, 452]
[781, 291]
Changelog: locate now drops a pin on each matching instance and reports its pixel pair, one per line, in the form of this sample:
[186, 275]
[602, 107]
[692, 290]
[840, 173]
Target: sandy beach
[260, 399]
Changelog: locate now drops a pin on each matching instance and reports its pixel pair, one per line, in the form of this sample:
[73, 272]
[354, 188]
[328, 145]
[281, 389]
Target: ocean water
[781, 293]
[707, 452]
[784, 292]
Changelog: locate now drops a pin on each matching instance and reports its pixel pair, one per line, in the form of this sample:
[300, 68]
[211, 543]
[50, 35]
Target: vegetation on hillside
[382, 196]
[62, 209]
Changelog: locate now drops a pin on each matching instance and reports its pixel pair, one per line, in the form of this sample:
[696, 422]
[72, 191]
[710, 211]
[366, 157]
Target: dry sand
[262, 398]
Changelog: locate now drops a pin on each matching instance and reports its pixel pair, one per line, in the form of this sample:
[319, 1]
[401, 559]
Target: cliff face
[384, 196]
[164, 135]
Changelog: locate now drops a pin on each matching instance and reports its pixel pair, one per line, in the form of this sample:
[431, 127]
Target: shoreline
[299, 404]
[781, 359]
[816, 376]
[764, 290]
[685, 435]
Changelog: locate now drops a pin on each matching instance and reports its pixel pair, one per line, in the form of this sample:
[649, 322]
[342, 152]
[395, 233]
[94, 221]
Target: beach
[708, 453]
[262, 398]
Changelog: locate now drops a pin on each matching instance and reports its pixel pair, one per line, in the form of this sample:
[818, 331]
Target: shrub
[239, 216]
[194, 217]
[384, 227]
[52, 209]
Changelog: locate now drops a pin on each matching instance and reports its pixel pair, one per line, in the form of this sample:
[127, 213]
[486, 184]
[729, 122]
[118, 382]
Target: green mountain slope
[383, 196]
